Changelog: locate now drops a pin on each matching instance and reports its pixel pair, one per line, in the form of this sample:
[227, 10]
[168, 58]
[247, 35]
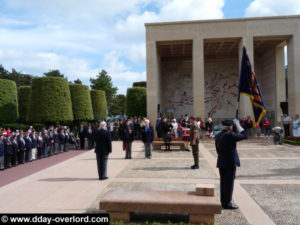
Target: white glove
[238, 126]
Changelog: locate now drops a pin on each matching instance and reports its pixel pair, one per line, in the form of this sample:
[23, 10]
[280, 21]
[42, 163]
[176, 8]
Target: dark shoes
[187, 150]
[194, 167]
[230, 206]
[103, 178]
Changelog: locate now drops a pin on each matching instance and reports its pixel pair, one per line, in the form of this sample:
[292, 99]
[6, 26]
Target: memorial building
[193, 66]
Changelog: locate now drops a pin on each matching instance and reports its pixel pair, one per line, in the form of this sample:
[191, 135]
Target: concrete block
[205, 189]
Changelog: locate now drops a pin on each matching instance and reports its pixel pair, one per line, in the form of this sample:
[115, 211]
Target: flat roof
[224, 20]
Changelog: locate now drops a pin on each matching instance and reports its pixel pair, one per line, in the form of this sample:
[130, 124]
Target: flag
[248, 86]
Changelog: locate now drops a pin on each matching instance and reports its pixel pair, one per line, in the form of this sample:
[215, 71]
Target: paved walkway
[266, 188]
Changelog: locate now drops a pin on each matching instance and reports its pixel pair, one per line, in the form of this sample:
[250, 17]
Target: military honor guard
[228, 159]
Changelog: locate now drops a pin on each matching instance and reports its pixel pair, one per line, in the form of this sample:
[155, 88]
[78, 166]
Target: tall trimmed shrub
[24, 98]
[136, 101]
[81, 102]
[8, 101]
[99, 104]
[50, 100]
[140, 84]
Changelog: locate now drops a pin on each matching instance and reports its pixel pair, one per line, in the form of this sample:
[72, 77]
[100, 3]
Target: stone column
[280, 88]
[294, 75]
[245, 104]
[152, 81]
[198, 78]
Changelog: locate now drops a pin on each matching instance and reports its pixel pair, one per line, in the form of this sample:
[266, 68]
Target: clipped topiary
[50, 100]
[81, 102]
[8, 101]
[140, 84]
[136, 101]
[24, 97]
[99, 104]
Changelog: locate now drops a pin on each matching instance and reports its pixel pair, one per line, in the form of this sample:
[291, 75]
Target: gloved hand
[238, 126]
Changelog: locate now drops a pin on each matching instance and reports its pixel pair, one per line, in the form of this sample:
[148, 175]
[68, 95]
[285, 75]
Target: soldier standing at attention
[228, 159]
[194, 142]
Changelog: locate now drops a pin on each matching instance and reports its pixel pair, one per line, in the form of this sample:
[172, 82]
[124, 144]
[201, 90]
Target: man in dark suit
[228, 159]
[82, 135]
[102, 150]
[147, 138]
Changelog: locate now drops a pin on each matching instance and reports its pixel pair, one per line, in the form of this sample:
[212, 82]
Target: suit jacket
[28, 143]
[21, 144]
[226, 148]
[61, 138]
[33, 140]
[127, 136]
[147, 137]
[8, 146]
[103, 142]
[82, 132]
[1, 148]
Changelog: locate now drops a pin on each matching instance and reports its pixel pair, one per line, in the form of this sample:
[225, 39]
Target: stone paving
[266, 189]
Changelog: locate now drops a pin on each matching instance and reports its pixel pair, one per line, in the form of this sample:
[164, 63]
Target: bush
[8, 101]
[81, 102]
[22, 126]
[136, 101]
[24, 97]
[50, 100]
[99, 104]
[140, 84]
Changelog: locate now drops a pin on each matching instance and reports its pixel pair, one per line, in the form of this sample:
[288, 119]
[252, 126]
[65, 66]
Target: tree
[50, 100]
[19, 78]
[103, 82]
[81, 102]
[140, 84]
[24, 98]
[8, 101]
[78, 81]
[136, 101]
[118, 105]
[54, 73]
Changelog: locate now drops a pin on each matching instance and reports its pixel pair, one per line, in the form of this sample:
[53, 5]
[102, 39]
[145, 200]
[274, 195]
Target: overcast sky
[81, 37]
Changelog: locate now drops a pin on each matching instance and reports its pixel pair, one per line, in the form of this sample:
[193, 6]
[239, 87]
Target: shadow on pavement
[276, 173]
[162, 168]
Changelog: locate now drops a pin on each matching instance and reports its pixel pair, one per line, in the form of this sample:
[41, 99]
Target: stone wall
[221, 87]
[176, 87]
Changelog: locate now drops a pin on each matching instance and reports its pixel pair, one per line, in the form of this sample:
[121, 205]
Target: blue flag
[248, 86]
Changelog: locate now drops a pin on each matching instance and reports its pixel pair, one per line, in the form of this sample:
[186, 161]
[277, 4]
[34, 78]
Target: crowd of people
[19, 147]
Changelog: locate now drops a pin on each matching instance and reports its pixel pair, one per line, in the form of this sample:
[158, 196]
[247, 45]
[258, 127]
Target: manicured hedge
[136, 101]
[50, 100]
[140, 84]
[24, 97]
[81, 102]
[8, 101]
[99, 104]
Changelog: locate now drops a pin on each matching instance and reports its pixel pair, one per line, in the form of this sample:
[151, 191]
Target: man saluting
[228, 159]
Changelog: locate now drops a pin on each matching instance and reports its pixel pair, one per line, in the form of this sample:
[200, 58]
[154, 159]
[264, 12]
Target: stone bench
[175, 145]
[121, 203]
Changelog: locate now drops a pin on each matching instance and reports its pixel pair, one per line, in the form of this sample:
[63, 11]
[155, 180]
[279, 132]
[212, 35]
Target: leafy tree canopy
[54, 73]
[103, 82]
[118, 105]
[18, 77]
[78, 81]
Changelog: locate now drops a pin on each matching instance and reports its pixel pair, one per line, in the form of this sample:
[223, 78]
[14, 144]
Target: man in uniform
[194, 142]
[228, 159]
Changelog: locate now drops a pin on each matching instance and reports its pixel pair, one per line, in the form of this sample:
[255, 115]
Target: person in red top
[267, 127]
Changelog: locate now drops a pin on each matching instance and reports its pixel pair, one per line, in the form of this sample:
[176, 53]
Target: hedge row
[99, 104]
[81, 102]
[8, 101]
[24, 97]
[50, 100]
[136, 101]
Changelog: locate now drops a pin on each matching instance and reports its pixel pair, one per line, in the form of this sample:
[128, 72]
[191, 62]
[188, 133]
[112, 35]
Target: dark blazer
[55, 137]
[147, 137]
[7, 147]
[15, 147]
[46, 140]
[82, 132]
[28, 143]
[127, 137]
[226, 148]
[1, 148]
[103, 142]
[33, 140]
[21, 145]
[61, 138]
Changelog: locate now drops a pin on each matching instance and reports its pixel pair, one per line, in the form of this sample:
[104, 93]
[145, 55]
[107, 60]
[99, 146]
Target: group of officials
[21, 147]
